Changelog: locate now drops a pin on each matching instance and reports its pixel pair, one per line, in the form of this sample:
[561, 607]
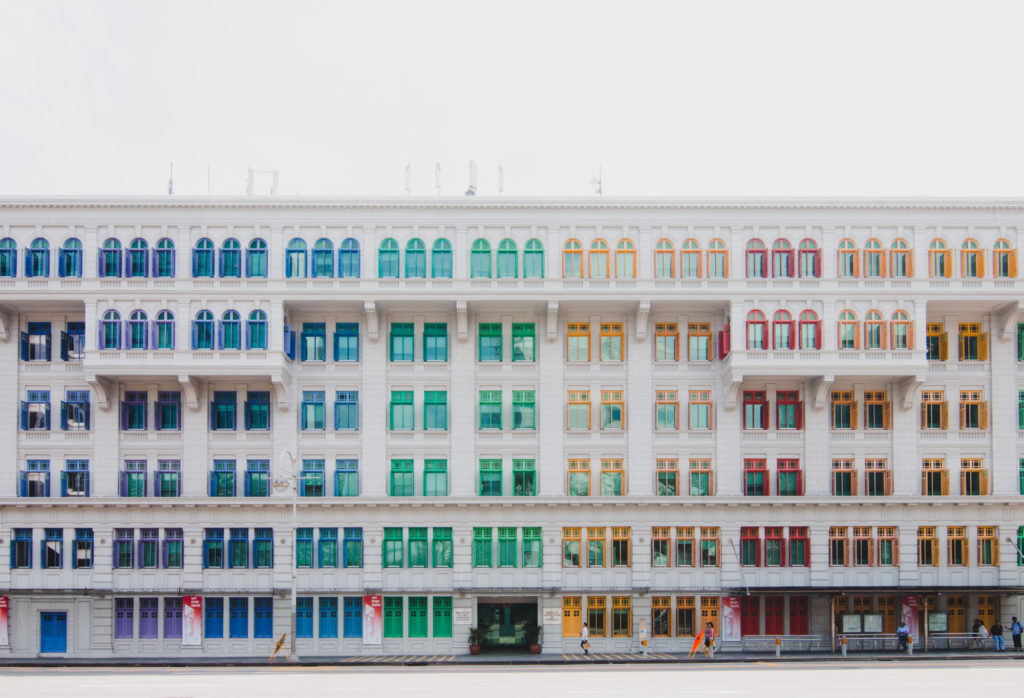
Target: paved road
[767, 679]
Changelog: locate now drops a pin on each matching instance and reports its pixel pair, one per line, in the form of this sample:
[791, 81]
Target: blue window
[328, 617]
[313, 341]
[256, 330]
[352, 551]
[222, 479]
[346, 410]
[387, 259]
[37, 259]
[202, 330]
[264, 625]
[110, 258]
[346, 478]
[51, 553]
[167, 479]
[312, 416]
[289, 342]
[137, 335]
[81, 558]
[72, 342]
[35, 344]
[353, 625]
[231, 259]
[257, 478]
[213, 628]
[263, 548]
[124, 548]
[163, 259]
[238, 548]
[223, 411]
[35, 411]
[163, 330]
[311, 479]
[21, 549]
[69, 261]
[256, 259]
[230, 336]
[295, 259]
[133, 411]
[346, 341]
[138, 259]
[257, 410]
[74, 481]
[348, 259]
[304, 616]
[415, 259]
[202, 259]
[132, 481]
[441, 259]
[239, 625]
[74, 411]
[8, 257]
[401, 341]
[213, 548]
[323, 260]
[110, 330]
[167, 411]
[34, 481]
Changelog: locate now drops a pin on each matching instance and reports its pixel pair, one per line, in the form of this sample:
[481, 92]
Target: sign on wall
[462, 616]
[373, 620]
[191, 621]
[4, 637]
[552, 616]
[730, 629]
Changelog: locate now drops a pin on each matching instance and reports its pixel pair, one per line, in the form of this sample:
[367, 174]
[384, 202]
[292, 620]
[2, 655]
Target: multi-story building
[783, 417]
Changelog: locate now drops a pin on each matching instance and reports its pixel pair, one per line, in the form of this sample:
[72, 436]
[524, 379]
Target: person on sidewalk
[903, 635]
[1015, 628]
[585, 639]
[709, 636]
[980, 633]
[997, 636]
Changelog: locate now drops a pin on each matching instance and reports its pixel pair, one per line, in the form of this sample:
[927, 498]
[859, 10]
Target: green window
[402, 418]
[346, 477]
[524, 341]
[482, 549]
[480, 259]
[402, 484]
[401, 341]
[435, 478]
[313, 409]
[435, 341]
[508, 547]
[354, 547]
[524, 477]
[304, 547]
[417, 547]
[442, 616]
[442, 550]
[490, 478]
[490, 409]
[417, 616]
[328, 548]
[1020, 341]
[435, 409]
[533, 259]
[393, 607]
[1020, 546]
[392, 547]
[524, 409]
[507, 267]
[532, 556]
[1020, 475]
[1020, 409]
[490, 341]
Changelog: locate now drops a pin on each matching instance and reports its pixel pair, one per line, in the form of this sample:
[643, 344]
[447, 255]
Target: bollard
[910, 645]
[778, 647]
[842, 641]
[643, 643]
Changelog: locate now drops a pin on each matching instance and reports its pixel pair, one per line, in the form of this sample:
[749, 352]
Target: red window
[750, 615]
[755, 409]
[757, 260]
[789, 410]
[755, 477]
[774, 547]
[774, 616]
[797, 615]
[799, 547]
[757, 330]
[750, 546]
[810, 330]
[789, 478]
[783, 331]
[782, 259]
[810, 260]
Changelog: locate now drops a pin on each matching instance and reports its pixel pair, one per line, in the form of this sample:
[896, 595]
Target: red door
[774, 623]
[750, 615]
[797, 615]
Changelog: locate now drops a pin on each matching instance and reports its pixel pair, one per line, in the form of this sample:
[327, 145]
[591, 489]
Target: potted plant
[476, 637]
[532, 636]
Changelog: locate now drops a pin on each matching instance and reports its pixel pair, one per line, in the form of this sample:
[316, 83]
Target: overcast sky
[670, 98]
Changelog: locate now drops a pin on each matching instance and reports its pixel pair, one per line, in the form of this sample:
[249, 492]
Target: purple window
[149, 618]
[172, 618]
[124, 613]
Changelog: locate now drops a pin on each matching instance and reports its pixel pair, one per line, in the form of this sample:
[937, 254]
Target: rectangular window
[417, 547]
[311, 478]
[35, 411]
[124, 548]
[524, 341]
[75, 479]
[700, 409]
[863, 547]
[789, 413]
[482, 548]
[489, 341]
[238, 548]
[789, 478]
[524, 409]
[957, 546]
[346, 410]
[21, 549]
[82, 555]
[621, 617]
[621, 547]
[927, 547]
[595, 547]
[709, 546]
[613, 478]
[35, 344]
[52, 554]
[167, 410]
[401, 411]
[167, 479]
[973, 478]
[844, 410]
[223, 411]
[685, 611]
[532, 555]
[936, 342]
[263, 548]
[571, 544]
[844, 478]
[346, 478]
[666, 409]
[441, 547]
[435, 478]
[877, 410]
[755, 409]
[435, 410]
[435, 341]
[402, 482]
[838, 546]
[392, 547]
[755, 477]
[613, 408]
[888, 546]
[660, 543]
[611, 341]
[934, 410]
[750, 546]
[774, 547]
[524, 477]
[702, 478]
[133, 479]
[579, 478]
[988, 546]
[304, 547]
[508, 547]
[699, 341]
[579, 409]
[666, 341]
[877, 477]
[257, 478]
[173, 552]
[685, 546]
[577, 341]
[490, 409]
[667, 475]
[490, 478]
[312, 414]
[799, 547]
[213, 548]
[222, 479]
[75, 412]
[353, 547]
[973, 410]
[934, 477]
[402, 337]
[442, 608]
[346, 341]
[149, 543]
[973, 342]
[313, 342]
[597, 613]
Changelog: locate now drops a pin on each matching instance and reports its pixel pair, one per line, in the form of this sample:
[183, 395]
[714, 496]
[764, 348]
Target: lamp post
[281, 484]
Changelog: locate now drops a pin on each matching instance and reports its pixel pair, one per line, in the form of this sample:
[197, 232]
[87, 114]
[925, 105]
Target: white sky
[707, 98]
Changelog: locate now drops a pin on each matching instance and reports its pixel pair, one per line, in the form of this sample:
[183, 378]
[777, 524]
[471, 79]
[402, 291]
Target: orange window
[666, 341]
[690, 259]
[849, 259]
[578, 410]
[718, 260]
[927, 547]
[599, 259]
[1004, 260]
[611, 341]
[973, 477]
[666, 409]
[901, 260]
[838, 547]
[664, 260]
[625, 259]
[934, 477]
[972, 260]
[572, 260]
[577, 341]
[940, 263]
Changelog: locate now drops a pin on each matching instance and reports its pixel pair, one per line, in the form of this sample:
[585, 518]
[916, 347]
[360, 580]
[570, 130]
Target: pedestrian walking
[980, 633]
[903, 635]
[709, 636]
[585, 639]
[1015, 628]
[997, 636]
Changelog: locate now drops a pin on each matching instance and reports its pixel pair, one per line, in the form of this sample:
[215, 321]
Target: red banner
[373, 620]
[730, 619]
[4, 637]
[909, 613]
[192, 621]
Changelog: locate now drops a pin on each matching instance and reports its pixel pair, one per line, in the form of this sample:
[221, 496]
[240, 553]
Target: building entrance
[505, 622]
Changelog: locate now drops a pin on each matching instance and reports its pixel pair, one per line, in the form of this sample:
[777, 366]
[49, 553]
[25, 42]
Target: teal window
[138, 259]
[490, 341]
[392, 547]
[202, 259]
[507, 259]
[304, 547]
[348, 259]
[490, 478]
[238, 548]
[312, 414]
[415, 259]
[311, 479]
[417, 547]
[133, 479]
[393, 616]
[313, 342]
[256, 259]
[417, 616]
[401, 410]
[387, 261]
[149, 543]
[353, 543]
[327, 549]
[163, 333]
[69, 259]
[346, 341]
[524, 341]
[295, 259]
[1020, 409]
[435, 409]
[442, 547]
[163, 262]
[110, 258]
[346, 478]
[480, 259]
[1020, 341]
[533, 259]
[435, 341]
[524, 409]
[482, 547]
[257, 478]
[532, 556]
[133, 411]
[323, 259]
[230, 330]
[402, 483]
[508, 547]
[202, 330]
[1020, 475]
[37, 258]
[9, 258]
[213, 548]
[524, 477]
[442, 616]
[256, 330]
[401, 341]
[138, 330]
[110, 330]
[490, 409]
[435, 478]
[441, 259]
[168, 479]
[257, 410]
[263, 548]
[346, 410]
[231, 259]
[222, 479]
[1020, 546]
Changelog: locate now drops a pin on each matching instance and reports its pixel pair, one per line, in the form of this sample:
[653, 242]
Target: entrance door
[750, 615]
[54, 635]
[798, 615]
[773, 615]
[506, 623]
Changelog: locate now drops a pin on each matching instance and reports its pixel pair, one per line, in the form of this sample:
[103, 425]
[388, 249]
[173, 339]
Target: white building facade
[787, 418]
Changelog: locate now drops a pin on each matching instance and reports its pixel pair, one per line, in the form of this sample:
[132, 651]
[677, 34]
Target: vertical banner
[373, 620]
[730, 629]
[191, 621]
[908, 612]
[4, 637]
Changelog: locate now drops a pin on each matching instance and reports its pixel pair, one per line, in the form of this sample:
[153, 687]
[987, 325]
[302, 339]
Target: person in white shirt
[903, 635]
[584, 639]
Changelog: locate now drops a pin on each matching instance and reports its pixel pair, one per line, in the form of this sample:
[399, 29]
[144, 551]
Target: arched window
[849, 334]
[810, 330]
[625, 259]
[875, 336]
[138, 330]
[163, 334]
[901, 261]
[441, 259]
[599, 259]
[902, 331]
[37, 259]
[810, 259]
[718, 260]
[533, 259]
[480, 259]
[137, 265]
[782, 259]
[230, 336]
[1004, 260]
[322, 266]
[757, 261]
[295, 259]
[69, 262]
[757, 330]
[783, 331]
[972, 260]
[202, 330]
[415, 259]
[940, 265]
[572, 260]
[256, 330]
[256, 259]
[163, 260]
[874, 260]
[508, 259]
[110, 330]
[387, 259]
[231, 259]
[348, 259]
[202, 259]
[8, 257]
[110, 258]
[849, 259]
[664, 260]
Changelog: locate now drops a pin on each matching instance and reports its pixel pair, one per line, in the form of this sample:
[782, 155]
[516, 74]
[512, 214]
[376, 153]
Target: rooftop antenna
[170, 182]
[437, 177]
[598, 182]
[472, 179]
[501, 179]
[408, 179]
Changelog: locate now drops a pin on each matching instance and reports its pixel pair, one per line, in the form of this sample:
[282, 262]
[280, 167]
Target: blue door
[54, 635]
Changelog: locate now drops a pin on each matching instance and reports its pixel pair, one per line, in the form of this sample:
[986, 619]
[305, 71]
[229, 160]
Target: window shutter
[910, 335]
[945, 482]
[981, 264]
[700, 264]
[764, 334]
[220, 334]
[983, 415]
[856, 263]
[963, 481]
[800, 415]
[944, 347]
[65, 345]
[982, 347]
[725, 266]
[963, 414]
[765, 415]
[817, 263]
[790, 263]
[63, 415]
[213, 415]
[195, 335]
[211, 480]
[792, 335]
[887, 414]
[883, 263]
[23, 484]
[887, 482]
[983, 483]
[24, 346]
[24, 416]
[944, 420]
[123, 417]
[799, 485]
[924, 414]
[122, 486]
[817, 334]
[1013, 264]
[884, 332]
[948, 267]
[963, 263]
[910, 264]
[857, 334]
[854, 415]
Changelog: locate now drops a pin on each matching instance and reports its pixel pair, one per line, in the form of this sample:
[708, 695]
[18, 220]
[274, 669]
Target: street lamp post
[281, 484]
